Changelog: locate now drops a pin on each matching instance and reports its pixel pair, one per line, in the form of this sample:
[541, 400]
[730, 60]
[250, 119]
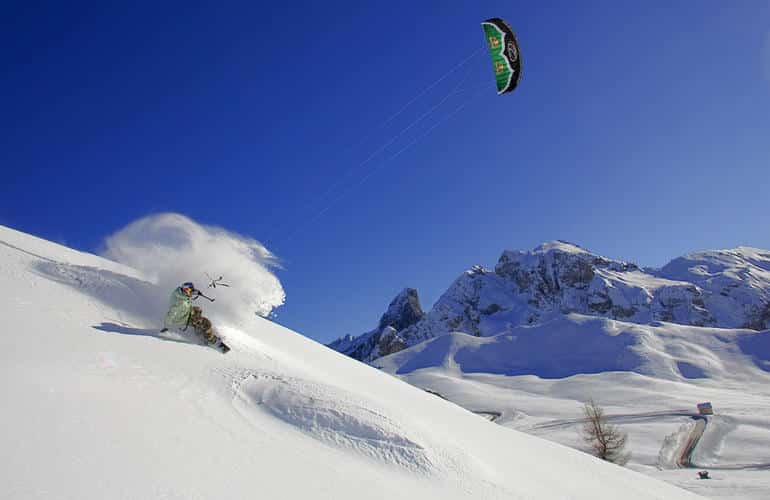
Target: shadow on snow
[109, 327]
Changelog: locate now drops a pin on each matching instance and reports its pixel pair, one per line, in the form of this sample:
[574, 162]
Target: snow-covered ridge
[44, 250]
[726, 288]
[97, 404]
[577, 344]
[735, 284]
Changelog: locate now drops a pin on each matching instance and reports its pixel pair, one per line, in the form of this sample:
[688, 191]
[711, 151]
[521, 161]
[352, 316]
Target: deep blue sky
[640, 130]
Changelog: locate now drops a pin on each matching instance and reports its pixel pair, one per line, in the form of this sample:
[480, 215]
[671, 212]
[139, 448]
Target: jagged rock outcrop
[390, 341]
[403, 311]
[729, 288]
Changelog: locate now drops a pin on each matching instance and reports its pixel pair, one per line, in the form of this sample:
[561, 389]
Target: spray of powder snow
[171, 249]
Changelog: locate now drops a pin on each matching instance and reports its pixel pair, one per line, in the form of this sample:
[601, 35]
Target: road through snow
[687, 449]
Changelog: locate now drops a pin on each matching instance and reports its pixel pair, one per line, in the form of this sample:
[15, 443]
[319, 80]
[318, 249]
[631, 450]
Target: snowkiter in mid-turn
[181, 314]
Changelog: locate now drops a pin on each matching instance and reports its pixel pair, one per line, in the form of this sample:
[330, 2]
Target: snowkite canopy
[504, 49]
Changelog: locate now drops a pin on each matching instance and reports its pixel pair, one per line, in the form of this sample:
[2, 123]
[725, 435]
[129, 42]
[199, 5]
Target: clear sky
[640, 130]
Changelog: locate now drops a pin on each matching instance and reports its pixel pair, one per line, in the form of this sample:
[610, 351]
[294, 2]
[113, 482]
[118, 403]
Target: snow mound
[576, 344]
[757, 346]
[334, 417]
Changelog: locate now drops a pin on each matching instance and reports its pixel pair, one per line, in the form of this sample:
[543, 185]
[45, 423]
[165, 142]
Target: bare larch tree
[605, 440]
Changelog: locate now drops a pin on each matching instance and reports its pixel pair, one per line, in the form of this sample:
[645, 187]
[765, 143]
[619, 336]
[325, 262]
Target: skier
[181, 314]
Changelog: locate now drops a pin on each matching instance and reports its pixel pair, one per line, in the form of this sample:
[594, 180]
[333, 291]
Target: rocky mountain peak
[726, 288]
[404, 310]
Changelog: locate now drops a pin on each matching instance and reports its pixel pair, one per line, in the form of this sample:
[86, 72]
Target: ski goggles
[187, 290]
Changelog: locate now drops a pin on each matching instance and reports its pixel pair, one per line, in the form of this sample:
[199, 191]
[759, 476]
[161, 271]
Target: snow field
[98, 404]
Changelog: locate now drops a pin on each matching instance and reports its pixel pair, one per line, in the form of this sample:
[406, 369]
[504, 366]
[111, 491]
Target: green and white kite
[504, 49]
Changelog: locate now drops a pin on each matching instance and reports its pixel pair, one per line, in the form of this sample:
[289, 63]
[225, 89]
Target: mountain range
[721, 289]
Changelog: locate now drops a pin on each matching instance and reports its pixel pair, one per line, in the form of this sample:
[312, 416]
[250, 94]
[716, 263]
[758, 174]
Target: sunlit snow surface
[97, 404]
[649, 378]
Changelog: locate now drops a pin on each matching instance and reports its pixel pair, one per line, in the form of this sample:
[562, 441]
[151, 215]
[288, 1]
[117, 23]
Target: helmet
[187, 288]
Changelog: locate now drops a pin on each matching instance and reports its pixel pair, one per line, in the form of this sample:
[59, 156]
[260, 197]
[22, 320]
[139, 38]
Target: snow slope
[96, 404]
[648, 377]
[577, 344]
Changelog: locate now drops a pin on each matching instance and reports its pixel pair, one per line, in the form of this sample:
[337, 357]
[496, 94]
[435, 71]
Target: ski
[220, 346]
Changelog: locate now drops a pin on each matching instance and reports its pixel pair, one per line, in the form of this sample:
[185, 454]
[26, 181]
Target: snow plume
[171, 249]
